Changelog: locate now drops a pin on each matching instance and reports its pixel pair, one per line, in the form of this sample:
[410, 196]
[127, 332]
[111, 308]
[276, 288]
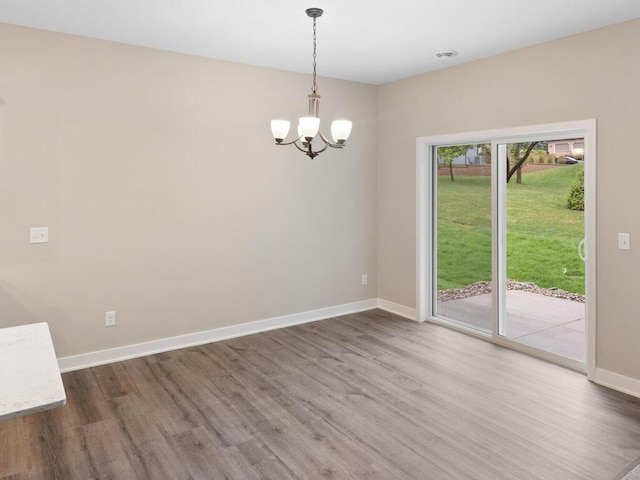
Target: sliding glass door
[506, 256]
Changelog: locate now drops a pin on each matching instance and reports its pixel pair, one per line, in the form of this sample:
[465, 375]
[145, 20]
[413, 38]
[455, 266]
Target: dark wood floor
[365, 396]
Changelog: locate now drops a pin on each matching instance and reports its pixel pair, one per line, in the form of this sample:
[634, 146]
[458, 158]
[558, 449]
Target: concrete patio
[552, 324]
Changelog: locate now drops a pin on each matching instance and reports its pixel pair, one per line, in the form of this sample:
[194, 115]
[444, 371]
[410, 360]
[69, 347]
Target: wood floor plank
[265, 461]
[113, 380]
[203, 460]
[14, 441]
[368, 396]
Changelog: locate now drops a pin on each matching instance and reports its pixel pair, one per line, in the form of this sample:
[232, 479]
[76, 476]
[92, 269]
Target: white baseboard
[92, 359]
[628, 385]
[407, 312]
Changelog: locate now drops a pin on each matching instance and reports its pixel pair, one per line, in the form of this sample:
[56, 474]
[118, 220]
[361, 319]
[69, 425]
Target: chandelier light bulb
[340, 130]
[280, 129]
[309, 127]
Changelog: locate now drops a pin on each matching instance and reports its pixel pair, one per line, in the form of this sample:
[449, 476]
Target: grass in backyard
[542, 234]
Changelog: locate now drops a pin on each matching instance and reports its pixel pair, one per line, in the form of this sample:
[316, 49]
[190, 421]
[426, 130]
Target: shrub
[575, 197]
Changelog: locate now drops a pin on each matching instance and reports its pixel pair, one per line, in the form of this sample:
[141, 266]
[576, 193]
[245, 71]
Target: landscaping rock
[481, 288]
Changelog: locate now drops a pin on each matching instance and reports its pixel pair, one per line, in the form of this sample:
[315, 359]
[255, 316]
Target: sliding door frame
[426, 172]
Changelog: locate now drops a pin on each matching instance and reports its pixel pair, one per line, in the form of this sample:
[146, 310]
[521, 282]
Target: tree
[514, 152]
[448, 154]
[575, 197]
[484, 151]
[515, 157]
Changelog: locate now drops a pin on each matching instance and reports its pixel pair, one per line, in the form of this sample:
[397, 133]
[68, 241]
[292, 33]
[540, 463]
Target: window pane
[463, 236]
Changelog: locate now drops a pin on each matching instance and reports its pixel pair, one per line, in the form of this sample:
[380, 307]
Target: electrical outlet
[110, 319]
[365, 280]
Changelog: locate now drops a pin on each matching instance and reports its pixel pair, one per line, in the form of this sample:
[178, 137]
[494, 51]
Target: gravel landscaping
[481, 288]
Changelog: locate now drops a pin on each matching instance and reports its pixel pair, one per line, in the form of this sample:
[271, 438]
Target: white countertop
[30, 379]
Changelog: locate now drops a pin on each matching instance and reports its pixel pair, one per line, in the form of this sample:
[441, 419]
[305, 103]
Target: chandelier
[309, 127]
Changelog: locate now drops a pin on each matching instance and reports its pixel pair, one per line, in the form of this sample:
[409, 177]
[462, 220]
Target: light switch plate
[39, 234]
[624, 241]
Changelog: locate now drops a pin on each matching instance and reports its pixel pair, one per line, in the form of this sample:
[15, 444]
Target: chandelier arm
[312, 153]
[328, 142]
[289, 143]
[303, 150]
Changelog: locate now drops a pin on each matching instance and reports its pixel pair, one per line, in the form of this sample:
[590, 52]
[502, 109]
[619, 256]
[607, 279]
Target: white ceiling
[361, 40]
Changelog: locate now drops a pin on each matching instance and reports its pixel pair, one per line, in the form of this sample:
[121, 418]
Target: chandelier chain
[314, 87]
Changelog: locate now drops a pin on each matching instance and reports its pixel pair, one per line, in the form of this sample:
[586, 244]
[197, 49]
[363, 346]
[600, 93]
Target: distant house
[573, 147]
[472, 157]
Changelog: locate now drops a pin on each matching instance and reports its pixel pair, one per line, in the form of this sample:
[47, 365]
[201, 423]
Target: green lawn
[542, 234]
